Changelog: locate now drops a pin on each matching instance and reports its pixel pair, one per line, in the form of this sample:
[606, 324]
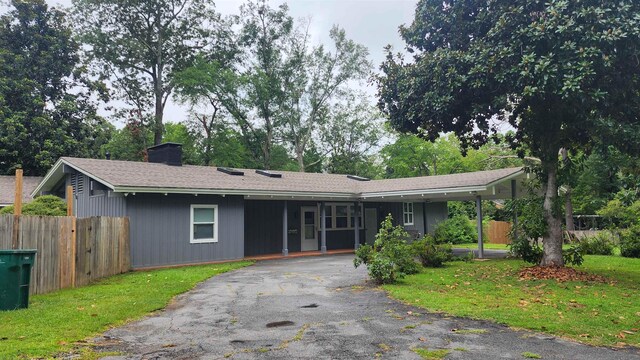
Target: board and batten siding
[105, 203]
[161, 229]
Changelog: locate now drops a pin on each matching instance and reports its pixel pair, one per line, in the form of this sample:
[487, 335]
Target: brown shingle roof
[127, 174]
[8, 189]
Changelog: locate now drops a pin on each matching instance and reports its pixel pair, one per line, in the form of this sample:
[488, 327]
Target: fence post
[74, 261]
[69, 196]
[17, 210]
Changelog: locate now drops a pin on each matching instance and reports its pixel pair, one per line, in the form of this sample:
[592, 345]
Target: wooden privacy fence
[71, 252]
[498, 232]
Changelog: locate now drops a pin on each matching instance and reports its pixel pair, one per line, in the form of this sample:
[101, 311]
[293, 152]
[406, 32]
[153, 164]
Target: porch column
[479, 215]
[424, 218]
[285, 230]
[356, 226]
[323, 228]
[515, 210]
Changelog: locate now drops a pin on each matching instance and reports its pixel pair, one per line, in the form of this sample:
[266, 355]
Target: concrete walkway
[319, 308]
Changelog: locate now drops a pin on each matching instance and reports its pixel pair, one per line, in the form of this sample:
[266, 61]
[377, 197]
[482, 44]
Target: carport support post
[515, 209]
[479, 215]
[356, 226]
[323, 228]
[285, 231]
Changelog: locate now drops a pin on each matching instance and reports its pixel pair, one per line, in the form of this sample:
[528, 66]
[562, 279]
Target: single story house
[8, 189]
[184, 214]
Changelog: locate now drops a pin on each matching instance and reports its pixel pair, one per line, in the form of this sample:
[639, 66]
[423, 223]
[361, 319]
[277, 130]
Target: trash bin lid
[18, 251]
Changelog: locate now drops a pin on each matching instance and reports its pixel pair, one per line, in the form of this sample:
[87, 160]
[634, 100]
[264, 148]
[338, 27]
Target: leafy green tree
[558, 72]
[130, 143]
[350, 133]
[46, 101]
[140, 45]
[181, 134]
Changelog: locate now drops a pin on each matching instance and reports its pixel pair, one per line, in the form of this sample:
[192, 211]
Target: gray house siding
[436, 213]
[160, 229]
[103, 203]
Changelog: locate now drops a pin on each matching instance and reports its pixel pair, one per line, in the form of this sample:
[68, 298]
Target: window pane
[203, 215]
[309, 217]
[341, 222]
[309, 232]
[202, 231]
[341, 210]
[327, 223]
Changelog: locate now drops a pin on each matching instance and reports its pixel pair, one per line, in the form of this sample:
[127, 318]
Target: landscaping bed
[602, 312]
[61, 321]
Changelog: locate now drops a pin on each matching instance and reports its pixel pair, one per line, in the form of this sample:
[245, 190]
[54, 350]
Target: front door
[309, 227]
[370, 225]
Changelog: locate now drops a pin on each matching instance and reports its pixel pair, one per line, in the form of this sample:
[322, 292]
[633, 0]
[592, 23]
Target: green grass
[55, 322]
[530, 355]
[595, 313]
[488, 246]
[431, 354]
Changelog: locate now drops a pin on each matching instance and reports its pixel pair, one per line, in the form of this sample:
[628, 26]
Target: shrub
[457, 230]
[526, 250]
[599, 244]
[47, 205]
[573, 255]
[630, 242]
[430, 253]
[390, 258]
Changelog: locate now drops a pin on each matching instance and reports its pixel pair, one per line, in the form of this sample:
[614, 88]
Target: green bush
[457, 230]
[599, 244]
[430, 253]
[630, 242]
[390, 258]
[526, 250]
[47, 205]
[573, 255]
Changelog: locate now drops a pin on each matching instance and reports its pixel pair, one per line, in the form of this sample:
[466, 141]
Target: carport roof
[130, 177]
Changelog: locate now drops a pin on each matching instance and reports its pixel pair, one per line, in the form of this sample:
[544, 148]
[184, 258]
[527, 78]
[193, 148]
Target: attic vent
[269, 174]
[77, 182]
[358, 178]
[230, 171]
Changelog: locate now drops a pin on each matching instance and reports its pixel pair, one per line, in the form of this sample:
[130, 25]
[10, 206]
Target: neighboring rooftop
[8, 188]
[129, 176]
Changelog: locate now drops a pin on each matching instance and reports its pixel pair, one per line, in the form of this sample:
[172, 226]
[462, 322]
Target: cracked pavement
[319, 308]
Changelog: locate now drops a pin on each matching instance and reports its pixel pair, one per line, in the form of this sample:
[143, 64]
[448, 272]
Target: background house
[183, 214]
[8, 189]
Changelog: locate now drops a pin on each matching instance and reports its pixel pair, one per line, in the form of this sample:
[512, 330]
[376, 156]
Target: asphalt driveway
[319, 308]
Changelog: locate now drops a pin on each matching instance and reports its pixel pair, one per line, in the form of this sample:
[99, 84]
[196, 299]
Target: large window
[407, 213]
[204, 223]
[340, 216]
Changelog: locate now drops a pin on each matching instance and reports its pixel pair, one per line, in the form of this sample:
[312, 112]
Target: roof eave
[58, 167]
[245, 192]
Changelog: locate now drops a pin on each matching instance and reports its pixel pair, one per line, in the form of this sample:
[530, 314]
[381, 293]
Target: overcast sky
[372, 23]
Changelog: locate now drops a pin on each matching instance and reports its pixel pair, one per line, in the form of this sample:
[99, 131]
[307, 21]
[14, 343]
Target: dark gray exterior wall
[86, 205]
[160, 229]
[436, 213]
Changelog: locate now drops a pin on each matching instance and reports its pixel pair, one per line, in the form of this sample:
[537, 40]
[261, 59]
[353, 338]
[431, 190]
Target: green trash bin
[15, 276]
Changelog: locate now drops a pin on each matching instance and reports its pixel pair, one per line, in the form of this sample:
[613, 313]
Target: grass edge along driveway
[59, 321]
[594, 313]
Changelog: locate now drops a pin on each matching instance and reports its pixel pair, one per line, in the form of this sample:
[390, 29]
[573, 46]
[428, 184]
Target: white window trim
[406, 211]
[215, 224]
[333, 216]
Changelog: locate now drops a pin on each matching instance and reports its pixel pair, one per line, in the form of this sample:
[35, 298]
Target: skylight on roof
[358, 178]
[230, 171]
[268, 173]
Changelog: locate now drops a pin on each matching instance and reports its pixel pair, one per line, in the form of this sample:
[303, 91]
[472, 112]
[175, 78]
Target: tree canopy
[47, 104]
[561, 73]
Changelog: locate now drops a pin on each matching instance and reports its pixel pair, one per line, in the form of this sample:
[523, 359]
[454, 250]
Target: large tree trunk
[552, 242]
[158, 129]
[568, 210]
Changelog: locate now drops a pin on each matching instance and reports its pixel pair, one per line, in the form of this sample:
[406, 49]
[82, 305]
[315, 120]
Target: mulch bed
[560, 274]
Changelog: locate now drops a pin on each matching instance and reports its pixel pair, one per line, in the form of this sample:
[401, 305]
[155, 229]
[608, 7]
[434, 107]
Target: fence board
[498, 232]
[70, 251]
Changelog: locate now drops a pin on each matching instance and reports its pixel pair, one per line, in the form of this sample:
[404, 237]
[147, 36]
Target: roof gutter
[383, 194]
[126, 190]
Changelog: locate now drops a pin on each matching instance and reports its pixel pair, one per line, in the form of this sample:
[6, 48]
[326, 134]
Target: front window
[407, 213]
[340, 216]
[204, 223]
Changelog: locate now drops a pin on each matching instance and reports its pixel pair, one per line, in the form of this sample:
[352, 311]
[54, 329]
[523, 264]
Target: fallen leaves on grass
[560, 274]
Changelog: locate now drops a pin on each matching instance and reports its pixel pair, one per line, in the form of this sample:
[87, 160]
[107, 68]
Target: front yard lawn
[594, 313]
[56, 322]
[489, 246]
